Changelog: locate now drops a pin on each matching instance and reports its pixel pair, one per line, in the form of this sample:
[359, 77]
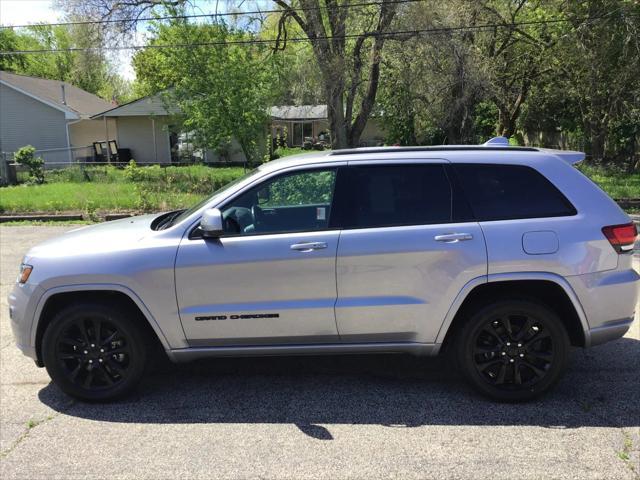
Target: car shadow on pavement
[601, 389]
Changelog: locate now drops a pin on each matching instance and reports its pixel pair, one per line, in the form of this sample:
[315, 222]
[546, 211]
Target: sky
[21, 12]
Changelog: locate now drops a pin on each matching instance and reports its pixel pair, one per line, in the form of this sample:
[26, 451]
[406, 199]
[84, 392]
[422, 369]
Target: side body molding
[103, 287]
[507, 277]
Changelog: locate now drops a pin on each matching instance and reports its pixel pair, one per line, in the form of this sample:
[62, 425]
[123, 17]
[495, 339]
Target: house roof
[301, 112]
[77, 104]
[151, 105]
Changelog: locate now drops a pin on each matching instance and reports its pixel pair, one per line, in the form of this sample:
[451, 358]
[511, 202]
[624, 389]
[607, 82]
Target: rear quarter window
[506, 192]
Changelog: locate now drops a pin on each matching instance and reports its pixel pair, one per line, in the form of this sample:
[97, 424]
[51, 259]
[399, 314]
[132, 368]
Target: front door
[271, 277]
[406, 251]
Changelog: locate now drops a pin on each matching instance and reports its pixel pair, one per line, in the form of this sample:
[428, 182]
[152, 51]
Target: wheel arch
[57, 298]
[551, 289]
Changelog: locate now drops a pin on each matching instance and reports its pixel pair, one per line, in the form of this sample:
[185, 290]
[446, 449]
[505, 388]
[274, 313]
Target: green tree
[222, 91]
[87, 68]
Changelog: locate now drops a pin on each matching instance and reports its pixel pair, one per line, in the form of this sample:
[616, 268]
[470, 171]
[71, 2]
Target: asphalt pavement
[316, 417]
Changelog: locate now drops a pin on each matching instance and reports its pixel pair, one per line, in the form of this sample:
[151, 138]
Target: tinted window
[294, 202]
[392, 195]
[501, 192]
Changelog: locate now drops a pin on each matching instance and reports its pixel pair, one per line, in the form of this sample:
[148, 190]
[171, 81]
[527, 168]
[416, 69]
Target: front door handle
[308, 246]
[453, 237]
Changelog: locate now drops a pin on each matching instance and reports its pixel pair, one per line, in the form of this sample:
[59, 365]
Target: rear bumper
[609, 331]
[609, 300]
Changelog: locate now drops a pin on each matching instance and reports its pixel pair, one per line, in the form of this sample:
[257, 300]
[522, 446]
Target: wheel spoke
[485, 366]
[494, 334]
[114, 365]
[539, 336]
[524, 330]
[70, 356]
[517, 379]
[485, 350]
[110, 338]
[71, 341]
[83, 331]
[501, 374]
[538, 371]
[88, 379]
[506, 322]
[97, 324]
[74, 373]
[105, 374]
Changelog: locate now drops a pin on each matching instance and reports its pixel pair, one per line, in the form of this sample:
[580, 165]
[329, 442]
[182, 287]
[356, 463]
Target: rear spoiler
[569, 156]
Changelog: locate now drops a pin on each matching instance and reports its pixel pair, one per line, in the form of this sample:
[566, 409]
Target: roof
[447, 153]
[301, 112]
[78, 103]
[151, 105]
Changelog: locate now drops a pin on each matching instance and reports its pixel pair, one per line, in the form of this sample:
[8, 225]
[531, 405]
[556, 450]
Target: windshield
[186, 213]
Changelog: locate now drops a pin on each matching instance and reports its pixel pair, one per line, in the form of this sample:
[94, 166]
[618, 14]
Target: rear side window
[504, 192]
[392, 195]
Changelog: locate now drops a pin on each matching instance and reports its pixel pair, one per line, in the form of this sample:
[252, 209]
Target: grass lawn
[616, 184]
[96, 190]
[87, 197]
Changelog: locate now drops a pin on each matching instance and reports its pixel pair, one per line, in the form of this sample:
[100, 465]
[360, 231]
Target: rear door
[407, 248]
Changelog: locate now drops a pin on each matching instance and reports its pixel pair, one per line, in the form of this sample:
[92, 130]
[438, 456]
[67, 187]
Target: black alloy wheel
[94, 352]
[514, 350]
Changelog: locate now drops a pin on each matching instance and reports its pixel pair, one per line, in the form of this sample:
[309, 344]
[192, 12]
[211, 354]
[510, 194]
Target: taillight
[621, 237]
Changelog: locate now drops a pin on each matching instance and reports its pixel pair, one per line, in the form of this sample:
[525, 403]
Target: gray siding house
[52, 116]
[145, 127]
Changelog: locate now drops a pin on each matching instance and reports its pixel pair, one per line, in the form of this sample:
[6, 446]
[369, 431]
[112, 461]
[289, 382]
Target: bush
[26, 156]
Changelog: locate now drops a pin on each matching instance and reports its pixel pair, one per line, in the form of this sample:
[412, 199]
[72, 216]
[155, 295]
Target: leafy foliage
[223, 91]
[86, 69]
[26, 156]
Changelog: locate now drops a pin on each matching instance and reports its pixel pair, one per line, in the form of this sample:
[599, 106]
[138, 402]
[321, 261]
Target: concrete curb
[61, 217]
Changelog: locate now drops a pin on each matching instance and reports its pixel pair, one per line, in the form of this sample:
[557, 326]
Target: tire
[513, 350]
[90, 367]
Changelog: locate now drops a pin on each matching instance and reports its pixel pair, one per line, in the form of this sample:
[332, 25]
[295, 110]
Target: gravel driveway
[310, 417]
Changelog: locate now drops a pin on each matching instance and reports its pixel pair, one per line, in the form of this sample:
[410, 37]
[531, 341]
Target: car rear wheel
[94, 352]
[513, 350]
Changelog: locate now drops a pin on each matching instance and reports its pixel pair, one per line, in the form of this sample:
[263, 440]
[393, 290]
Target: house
[151, 131]
[295, 124]
[146, 128]
[53, 116]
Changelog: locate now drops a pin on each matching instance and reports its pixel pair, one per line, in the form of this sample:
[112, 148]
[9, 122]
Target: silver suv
[503, 256]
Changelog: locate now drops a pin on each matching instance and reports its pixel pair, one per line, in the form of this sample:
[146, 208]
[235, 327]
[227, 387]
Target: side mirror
[211, 223]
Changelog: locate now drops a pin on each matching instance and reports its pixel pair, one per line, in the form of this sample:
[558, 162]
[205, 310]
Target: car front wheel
[94, 352]
[513, 350]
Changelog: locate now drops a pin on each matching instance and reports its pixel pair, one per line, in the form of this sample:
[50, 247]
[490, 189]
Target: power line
[257, 41]
[208, 15]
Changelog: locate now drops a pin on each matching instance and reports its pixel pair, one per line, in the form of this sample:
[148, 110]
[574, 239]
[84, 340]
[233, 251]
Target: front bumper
[23, 301]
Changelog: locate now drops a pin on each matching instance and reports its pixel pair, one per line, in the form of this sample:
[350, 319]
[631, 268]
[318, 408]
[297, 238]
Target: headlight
[25, 271]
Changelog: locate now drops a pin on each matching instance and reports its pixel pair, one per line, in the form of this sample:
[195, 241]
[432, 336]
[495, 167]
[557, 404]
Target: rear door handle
[453, 237]
[308, 246]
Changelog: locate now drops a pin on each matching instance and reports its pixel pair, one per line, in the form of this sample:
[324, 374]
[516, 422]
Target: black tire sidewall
[129, 329]
[537, 311]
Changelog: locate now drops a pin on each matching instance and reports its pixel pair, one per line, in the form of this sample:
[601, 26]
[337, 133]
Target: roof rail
[437, 148]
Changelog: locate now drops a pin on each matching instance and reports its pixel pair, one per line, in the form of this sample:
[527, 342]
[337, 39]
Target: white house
[53, 116]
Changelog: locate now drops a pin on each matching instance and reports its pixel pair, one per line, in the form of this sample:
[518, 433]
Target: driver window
[294, 202]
